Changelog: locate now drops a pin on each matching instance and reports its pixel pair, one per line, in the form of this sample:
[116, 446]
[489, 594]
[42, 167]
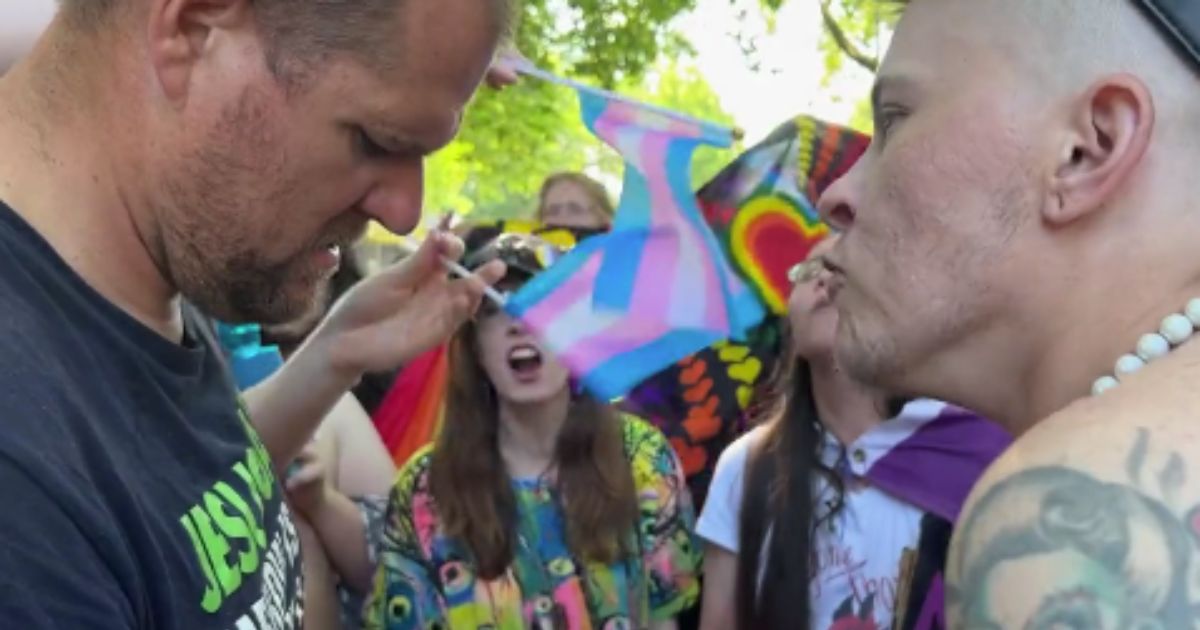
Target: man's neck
[846, 408]
[1087, 351]
[60, 171]
[529, 434]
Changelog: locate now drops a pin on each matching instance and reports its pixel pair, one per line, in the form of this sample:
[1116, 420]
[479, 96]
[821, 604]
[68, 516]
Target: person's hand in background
[505, 69]
[335, 519]
[307, 483]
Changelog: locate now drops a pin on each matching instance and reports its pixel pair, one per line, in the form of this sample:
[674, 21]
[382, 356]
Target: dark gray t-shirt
[134, 492]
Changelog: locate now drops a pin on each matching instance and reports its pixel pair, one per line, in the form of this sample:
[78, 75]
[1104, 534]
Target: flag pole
[527, 67]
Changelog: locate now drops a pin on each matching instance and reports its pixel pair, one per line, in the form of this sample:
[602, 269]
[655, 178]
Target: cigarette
[462, 272]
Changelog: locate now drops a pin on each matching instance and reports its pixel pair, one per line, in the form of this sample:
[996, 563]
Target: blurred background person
[574, 200]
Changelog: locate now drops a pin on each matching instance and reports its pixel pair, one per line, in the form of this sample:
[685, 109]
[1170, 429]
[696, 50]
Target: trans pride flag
[623, 306]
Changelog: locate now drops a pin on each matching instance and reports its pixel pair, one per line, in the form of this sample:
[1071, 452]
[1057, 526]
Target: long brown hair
[473, 491]
[778, 489]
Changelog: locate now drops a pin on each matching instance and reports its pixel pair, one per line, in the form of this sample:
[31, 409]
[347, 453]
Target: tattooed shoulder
[1097, 547]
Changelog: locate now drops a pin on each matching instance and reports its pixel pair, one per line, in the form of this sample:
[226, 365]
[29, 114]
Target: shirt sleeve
[405, 595]
[670, 552]
[719, 520]
[51, 575]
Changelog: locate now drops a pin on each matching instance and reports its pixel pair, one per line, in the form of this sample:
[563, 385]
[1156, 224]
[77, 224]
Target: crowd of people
[1018, 240]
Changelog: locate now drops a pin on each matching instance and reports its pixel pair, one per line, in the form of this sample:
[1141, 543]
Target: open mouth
[524, 360]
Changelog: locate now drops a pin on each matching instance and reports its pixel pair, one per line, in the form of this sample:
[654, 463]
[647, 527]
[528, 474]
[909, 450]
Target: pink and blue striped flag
[623, 306]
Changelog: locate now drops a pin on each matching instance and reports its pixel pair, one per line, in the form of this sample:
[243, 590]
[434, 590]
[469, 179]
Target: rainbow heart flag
[763, 205]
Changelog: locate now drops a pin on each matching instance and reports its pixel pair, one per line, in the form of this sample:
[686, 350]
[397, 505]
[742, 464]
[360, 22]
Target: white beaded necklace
[1175, 331]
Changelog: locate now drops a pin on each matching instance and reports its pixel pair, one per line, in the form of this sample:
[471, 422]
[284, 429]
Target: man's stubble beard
[207, 247]
[894, 342]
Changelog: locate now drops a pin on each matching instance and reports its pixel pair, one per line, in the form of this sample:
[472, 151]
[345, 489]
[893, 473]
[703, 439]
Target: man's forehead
[939, 29]
[948, 41]
[426, 73]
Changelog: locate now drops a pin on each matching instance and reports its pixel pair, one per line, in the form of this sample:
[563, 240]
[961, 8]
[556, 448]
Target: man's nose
[837, 204]
[395, 200]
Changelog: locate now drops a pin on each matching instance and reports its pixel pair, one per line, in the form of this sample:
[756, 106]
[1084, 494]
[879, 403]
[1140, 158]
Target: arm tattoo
[1056, 548]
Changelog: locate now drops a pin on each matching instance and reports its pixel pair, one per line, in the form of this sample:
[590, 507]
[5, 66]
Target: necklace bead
[1193, 312]
[1103, 384]
[1175, 330]
[1128, 364]
[1153, 346]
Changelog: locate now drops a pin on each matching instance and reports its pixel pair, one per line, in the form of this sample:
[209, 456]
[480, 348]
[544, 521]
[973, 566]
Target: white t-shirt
[858, 552]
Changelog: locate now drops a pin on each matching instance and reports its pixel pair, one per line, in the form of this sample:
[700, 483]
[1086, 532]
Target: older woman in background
[574, 200]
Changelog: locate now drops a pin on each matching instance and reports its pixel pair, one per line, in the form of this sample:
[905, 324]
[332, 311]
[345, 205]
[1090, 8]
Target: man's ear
[180, 32]
[1108, 133]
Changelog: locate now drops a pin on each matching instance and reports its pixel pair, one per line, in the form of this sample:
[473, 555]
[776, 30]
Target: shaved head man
[225, 152]
[1023, 238]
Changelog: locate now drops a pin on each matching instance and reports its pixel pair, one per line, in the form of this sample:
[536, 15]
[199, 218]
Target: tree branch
[843, 41]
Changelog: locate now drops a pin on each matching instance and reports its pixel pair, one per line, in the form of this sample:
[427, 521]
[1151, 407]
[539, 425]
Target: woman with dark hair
[537, 507]
[835, 512]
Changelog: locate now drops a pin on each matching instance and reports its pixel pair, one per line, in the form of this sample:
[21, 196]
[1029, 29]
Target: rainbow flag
[623, 306]
[410, 415]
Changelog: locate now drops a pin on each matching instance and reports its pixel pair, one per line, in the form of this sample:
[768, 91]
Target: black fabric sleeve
[51, 577]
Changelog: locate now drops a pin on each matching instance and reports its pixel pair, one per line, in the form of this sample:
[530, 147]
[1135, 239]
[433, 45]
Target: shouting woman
[537, 507]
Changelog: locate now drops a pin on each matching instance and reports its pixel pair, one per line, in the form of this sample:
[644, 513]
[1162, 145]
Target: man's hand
[384, 322]
[402, 312]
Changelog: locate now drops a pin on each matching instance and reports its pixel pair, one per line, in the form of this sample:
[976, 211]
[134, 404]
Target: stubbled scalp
[1069, 44]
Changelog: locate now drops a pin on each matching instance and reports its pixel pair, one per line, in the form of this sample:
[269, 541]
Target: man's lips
[836, 279]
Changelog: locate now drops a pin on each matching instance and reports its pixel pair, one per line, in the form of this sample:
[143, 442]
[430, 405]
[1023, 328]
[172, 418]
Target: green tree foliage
[854, 34]
[511, 140]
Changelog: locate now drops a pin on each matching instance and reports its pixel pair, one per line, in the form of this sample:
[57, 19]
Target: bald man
[1023, 238]
[225, 151]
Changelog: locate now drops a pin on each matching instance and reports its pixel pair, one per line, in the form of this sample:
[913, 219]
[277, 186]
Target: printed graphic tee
[857, 553]
[135, 494]
[425, 578]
